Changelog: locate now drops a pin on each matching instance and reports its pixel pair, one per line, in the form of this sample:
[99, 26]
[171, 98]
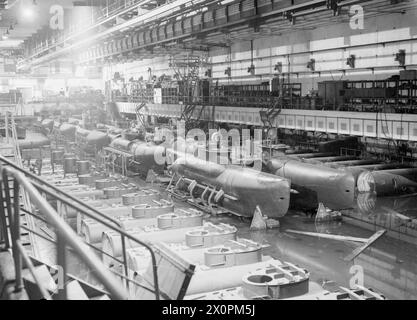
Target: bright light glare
[28, 12]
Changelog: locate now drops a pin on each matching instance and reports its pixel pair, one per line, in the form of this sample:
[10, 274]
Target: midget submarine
[244, 188]
[315, 183]
[143, 153]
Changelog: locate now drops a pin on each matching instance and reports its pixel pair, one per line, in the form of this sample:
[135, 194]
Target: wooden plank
[328, 236]
[370, 241]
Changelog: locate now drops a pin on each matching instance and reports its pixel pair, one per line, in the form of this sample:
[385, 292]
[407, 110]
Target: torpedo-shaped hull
[316, 183]
[246, 188]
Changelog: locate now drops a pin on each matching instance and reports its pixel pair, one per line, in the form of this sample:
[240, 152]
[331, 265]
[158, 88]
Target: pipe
[405, 172]
[339, 163]
[309, 155]
[377, 166]
[330, 159]
[357, 170]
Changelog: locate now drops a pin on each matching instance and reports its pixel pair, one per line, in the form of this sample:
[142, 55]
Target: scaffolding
[186, 70]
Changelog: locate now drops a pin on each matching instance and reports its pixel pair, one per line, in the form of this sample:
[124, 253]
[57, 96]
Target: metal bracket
[334, 5]
[204, 193]
[191, 188]
[210, 204]
[218, 196]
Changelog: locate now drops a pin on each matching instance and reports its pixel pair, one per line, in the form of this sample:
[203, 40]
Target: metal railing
[240, 99]
[13, 140]
[69, 201]
[42, 187]
[24, 189]
[66, 236]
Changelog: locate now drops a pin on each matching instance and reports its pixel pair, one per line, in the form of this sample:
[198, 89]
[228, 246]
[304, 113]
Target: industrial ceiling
[198, 25]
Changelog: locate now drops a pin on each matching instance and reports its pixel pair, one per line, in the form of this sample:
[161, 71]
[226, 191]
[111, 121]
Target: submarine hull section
[68, 131]
[334, 188]
[248, 187]
[98, 139]
[148, 156]
[34, 140]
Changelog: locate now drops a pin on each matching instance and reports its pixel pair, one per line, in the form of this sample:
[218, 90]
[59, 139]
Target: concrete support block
[117, 192]
[92, 231]
[108, 183]
[113, 211]
[86, 179]
[277, 281]
[180, 219]
[143, 196]
[233, 253]
[152, 210]
[112, 245]
[205, 280]
[210, 235]
[88, 193]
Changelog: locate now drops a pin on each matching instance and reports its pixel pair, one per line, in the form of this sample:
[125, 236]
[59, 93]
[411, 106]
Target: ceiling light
[28, 12]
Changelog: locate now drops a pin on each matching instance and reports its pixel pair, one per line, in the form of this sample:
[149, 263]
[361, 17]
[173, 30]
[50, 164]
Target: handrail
[29, 264]
[18, 159]
[64, 231]
[91, 246]
[89, 211]
[97, 215]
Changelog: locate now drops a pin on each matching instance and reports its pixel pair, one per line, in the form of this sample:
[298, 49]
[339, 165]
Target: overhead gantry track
[181, 21]
[100, 30]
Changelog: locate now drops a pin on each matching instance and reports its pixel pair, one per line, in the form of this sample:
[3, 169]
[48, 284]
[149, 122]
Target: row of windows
[344, 127]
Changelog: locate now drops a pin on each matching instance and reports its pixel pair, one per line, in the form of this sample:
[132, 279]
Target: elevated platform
[362, 124]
